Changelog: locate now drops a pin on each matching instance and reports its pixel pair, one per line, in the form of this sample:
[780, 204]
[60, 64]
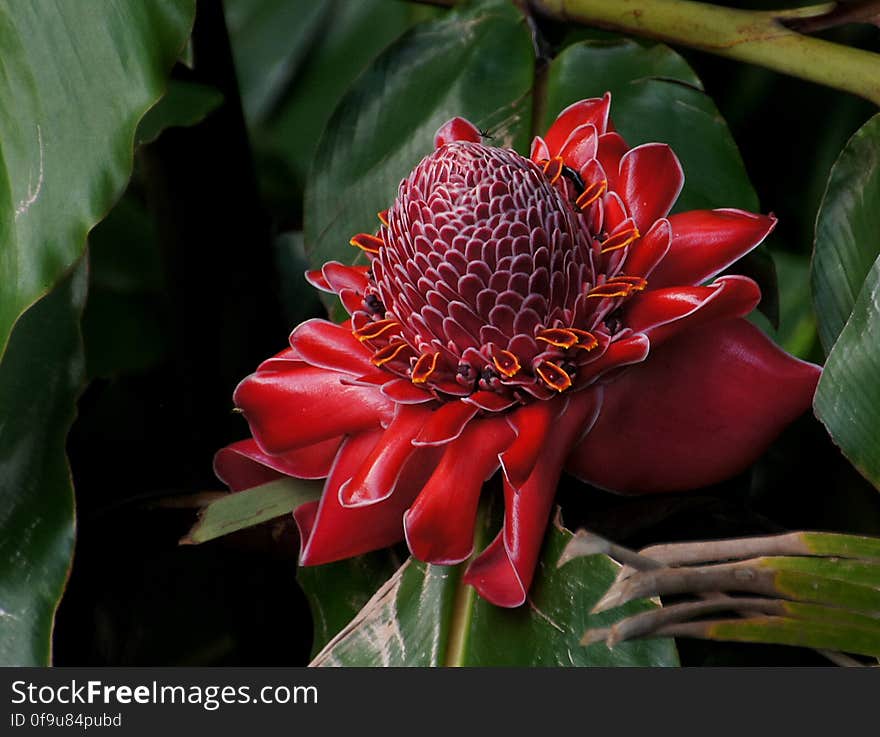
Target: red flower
[527, 315]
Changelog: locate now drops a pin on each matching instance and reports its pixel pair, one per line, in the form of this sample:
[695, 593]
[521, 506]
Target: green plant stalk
[750, 36]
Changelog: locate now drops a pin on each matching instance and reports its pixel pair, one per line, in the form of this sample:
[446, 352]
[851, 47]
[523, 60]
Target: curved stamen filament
[367, 242]
[592, 193]
[560, 337]
[619, 240]
[373, 330]
[553, 169]
[388, 353]
[424, 367]
[553, 376]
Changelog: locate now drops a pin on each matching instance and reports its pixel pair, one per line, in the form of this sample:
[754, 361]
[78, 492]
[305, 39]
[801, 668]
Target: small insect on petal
[506, 362]
[553, 376]
[560, 337]
[367, 242]
[425, 366]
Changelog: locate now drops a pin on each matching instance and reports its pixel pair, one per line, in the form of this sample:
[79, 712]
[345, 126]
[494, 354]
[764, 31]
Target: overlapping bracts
[523, 316]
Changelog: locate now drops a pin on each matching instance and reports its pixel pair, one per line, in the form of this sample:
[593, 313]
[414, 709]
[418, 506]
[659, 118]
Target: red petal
[331, 346]
[503, 572]
[580, 147]
[440, 525]
[626, 351]
[705, 242]
[377, 476]
[650, 181]
[593, 111]
[612, 148]
[339, 276]
[532, 424]
[662, 313]
[244, 464]
[317, 279]
[701, 409]
[446, 423]
[299, 405]
[539, 151]
[644, 255]
[457, 129]
[328, 531]
[405, 392]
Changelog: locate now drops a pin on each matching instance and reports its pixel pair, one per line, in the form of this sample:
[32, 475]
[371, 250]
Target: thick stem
[750, 36]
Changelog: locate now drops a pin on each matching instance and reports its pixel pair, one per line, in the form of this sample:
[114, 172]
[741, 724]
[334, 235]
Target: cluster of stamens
[491, 273]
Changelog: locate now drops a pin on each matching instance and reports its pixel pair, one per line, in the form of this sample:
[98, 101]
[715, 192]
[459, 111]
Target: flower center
[491, 273]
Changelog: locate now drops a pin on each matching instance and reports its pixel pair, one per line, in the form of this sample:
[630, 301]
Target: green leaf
[338, 591]
[788, 631]
[655, 96]
[69, 105]
[847, 400]
[847, 228]
[425, 616]
[475, 63]
[183, 105]
[40, 377]
[242, 509]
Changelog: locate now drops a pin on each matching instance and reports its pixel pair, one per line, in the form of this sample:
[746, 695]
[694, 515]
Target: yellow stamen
[592, 193]
[560, 337]
[506, 362]
[367, 242]
[424, 367]
[553, 376]
[553, 169]
[619, 240]
[388, 353]
[373, 330]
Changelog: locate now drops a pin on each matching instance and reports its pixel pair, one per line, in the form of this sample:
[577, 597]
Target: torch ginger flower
[528, 315]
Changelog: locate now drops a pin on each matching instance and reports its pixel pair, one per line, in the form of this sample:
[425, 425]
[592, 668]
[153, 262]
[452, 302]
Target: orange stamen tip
[553, 376]
[367, 242]
[586, 340]
[619, 240]
[560, 337]
[424, 367]
[383, 217]
[553, 169]
[373, 330]
[506, 362]
[618, 286]
[388, 353]
[592, 193]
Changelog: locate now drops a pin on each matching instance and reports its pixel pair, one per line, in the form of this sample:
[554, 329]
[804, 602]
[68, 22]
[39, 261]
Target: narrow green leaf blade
[847, 228]
[40, 378]
[847, 400]
[69, 105]
[242, 509]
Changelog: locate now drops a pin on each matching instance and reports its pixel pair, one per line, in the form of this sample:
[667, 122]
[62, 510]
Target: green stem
[750, 36]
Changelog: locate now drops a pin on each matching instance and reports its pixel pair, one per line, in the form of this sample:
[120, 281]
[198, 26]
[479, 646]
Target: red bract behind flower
[527, 315]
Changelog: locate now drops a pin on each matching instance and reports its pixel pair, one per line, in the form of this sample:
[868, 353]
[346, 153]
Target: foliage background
[196, 275]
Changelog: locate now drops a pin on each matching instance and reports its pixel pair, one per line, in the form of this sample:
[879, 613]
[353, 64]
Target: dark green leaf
[425, 616]
[476, 63]
[338, 591]
[40, 377]
[847, 228]
[67, 151]
[848, 398]
[184, 104]
[243, 509]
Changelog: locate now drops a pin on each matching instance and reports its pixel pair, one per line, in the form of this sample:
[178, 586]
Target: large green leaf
[847, 231]
[76, 79]
[476, 63]
[40, 377]
[425, 616]
[848, 397]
